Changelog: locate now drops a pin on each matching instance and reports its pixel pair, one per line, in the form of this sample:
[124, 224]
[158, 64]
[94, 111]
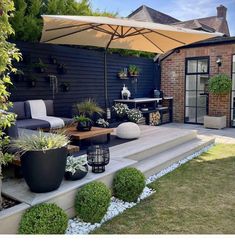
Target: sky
[179, 9]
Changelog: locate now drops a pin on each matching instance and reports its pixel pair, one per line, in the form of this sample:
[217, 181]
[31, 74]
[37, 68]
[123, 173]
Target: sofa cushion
[50, 107]
[19, 109]
[33, 124]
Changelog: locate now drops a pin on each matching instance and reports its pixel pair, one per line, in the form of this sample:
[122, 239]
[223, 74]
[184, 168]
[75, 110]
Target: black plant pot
[44, 171]
[78, 175]
[84, 126]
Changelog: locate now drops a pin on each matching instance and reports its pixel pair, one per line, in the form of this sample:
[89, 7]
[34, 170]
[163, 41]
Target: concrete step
[162, 160]
[150, 145]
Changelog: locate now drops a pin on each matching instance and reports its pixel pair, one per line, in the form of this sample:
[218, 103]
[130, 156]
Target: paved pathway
[226, 135]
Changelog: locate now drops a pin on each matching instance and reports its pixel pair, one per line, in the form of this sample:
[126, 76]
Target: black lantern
[98, 157]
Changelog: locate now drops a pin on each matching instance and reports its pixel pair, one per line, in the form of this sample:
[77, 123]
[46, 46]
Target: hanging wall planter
[18, 76]
[133, 71]
[52, 60]
[40, 67]
[61, 69]
[65, 87]
[32, 81]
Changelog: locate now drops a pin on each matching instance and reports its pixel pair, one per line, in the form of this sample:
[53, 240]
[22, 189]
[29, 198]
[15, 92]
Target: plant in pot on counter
[76, 167]
[43, 160]
[133, 70]
[83, 123]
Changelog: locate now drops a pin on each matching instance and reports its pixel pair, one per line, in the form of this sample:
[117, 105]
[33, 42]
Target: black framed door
[196, 89]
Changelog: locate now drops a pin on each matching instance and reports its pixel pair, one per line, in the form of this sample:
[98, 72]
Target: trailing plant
[128, 184]
[8, 53]
[134, 115]
[88, 108]
[40, 141]
[45, 218]
[75, 163]
[219, 85]
[92, 202]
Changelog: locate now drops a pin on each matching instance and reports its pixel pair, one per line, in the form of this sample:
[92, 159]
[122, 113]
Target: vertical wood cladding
[85, 75]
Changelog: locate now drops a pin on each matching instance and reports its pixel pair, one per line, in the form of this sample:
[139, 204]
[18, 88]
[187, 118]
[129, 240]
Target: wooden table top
[95, 131]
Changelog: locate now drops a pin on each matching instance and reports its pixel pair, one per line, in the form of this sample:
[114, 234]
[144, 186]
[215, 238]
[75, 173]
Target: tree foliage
[27, 21]
[8, 53]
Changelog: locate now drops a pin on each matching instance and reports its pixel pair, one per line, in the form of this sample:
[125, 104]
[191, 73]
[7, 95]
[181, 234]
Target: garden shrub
[128, 184]
[45, 218]
[92, 202]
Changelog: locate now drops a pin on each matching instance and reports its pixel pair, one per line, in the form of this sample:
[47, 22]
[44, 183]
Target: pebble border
[116, 207]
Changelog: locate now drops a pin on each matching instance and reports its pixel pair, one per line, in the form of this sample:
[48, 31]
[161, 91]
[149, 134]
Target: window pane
[190, 99]
[233, 87]
[202, 84]
[201, 100]
[201, 112]
[202, 66]
[192, 66]
[190, 115]
[191, 82]
[233, 100]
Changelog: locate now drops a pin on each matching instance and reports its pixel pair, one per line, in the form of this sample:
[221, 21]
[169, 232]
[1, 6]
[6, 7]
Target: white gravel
[116, 207]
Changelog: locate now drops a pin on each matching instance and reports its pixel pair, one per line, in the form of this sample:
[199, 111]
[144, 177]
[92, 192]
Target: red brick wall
[173, 77]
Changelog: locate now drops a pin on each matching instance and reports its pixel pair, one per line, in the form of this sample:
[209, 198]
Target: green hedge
[45, 218]
[92, 202]
[128, 184]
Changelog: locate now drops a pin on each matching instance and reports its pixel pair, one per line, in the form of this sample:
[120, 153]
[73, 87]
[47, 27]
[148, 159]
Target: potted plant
[120, 110]
[40, 66]
[61, 69]
[219, 85]
[83, 123]
[88, 108]
[76, 167]
[65, 87]
[102, 123]
[122, 74]
[134, 115]
[43, 160]
[52, 60]
[133, 70]
[32, 81]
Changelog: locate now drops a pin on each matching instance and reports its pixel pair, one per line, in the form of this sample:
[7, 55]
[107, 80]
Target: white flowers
[120, 109]
[102, 123]
[134, 115]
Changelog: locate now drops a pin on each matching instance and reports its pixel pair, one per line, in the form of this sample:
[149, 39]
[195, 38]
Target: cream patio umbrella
[120, 33]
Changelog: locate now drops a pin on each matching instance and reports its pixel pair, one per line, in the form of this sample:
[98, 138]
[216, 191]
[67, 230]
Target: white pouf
[128, 130]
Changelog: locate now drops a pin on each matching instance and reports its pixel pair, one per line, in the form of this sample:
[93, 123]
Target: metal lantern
[98, 157]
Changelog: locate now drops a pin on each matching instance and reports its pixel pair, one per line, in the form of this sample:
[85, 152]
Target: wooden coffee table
[81, 135]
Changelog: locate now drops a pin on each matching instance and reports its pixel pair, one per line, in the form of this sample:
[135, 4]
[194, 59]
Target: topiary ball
[128, 184]
[45, 218]
[92, 202]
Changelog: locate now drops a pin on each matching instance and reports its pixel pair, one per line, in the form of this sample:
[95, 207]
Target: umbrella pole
[107, 109]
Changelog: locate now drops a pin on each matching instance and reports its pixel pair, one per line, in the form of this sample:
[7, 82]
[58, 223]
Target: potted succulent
[83, 123]
[122, 74]
[43, 160]
[76, 167]
[133, 70]
[40, 66]
[218, 86]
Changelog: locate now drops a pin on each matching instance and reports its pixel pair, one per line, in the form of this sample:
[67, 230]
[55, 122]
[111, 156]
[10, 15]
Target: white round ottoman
[128, 130]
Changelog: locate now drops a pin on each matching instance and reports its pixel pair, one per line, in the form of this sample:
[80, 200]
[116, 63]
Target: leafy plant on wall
[8, 52]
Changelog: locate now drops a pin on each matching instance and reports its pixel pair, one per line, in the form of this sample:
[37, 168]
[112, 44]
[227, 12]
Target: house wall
[85, 74]
[173, 77]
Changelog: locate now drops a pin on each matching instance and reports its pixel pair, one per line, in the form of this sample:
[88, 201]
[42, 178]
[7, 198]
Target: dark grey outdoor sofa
[24, 119]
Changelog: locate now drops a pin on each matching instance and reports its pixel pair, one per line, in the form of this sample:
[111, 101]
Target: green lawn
[198, 197]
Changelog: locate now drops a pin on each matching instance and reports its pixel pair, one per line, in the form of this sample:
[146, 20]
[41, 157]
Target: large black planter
[44, 171]
[78, 175]
[84, 126]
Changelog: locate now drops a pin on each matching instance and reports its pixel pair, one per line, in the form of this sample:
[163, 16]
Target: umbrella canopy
[119, 33]
[109, 32]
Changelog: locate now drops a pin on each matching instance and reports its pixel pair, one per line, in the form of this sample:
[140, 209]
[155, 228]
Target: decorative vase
[44, 170]
[78, 175]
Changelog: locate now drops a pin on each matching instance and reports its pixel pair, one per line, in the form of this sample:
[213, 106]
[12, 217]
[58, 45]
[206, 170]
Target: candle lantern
[98, 157]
